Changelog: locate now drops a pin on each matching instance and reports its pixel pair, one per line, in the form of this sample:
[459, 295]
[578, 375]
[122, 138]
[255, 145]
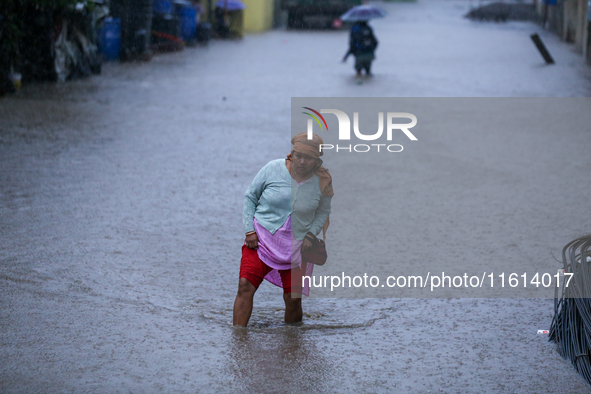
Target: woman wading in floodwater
[285, 206]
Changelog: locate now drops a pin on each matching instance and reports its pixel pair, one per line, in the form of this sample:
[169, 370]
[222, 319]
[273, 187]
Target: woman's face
[303, 163]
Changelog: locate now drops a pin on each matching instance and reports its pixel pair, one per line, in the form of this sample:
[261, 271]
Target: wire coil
[571, 325]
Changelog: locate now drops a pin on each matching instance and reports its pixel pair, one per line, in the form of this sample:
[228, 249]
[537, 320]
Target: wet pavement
[120, 222]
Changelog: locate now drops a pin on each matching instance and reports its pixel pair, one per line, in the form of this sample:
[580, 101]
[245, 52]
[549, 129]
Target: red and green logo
[315, 118]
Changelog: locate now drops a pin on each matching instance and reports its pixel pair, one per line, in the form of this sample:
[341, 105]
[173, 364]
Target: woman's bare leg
[293, 308]
[243, 302]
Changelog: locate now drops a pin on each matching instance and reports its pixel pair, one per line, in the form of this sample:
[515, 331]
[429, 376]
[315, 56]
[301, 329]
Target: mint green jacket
[273, 195]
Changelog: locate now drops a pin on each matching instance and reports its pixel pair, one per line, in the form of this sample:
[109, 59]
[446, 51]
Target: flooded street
[121, 222]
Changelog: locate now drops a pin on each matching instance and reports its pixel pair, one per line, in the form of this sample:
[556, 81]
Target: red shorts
[254, 270]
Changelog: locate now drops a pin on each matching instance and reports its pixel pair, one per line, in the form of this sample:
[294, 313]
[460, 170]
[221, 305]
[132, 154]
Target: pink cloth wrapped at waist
[281, 251]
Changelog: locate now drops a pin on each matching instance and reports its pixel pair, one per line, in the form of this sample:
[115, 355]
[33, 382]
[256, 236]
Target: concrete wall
[568, 18]
[258, 15]
[575, 24]
[569, 30]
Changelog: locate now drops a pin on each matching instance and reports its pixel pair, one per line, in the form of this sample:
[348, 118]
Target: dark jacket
[362, 40]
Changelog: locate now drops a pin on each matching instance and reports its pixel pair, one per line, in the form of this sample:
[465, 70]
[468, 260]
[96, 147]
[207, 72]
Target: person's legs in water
[358, 66]
[243, 303]
[292, 293]
[363, 62]
[293, 308]
[252, 273]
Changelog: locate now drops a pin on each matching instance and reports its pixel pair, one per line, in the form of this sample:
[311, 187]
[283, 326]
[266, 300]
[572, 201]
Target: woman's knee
[245, 288]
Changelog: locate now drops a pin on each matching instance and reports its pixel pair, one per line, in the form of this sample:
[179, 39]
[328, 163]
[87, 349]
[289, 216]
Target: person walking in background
[222, 22]
[362, 45]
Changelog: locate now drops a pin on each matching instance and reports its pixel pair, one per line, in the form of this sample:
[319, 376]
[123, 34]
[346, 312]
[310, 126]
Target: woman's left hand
[306, 244]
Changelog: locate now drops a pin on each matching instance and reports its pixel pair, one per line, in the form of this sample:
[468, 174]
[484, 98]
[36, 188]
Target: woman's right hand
[252, 241]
